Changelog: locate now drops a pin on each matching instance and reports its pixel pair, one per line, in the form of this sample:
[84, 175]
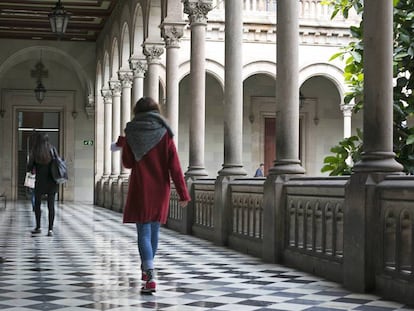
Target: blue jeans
[147, 243]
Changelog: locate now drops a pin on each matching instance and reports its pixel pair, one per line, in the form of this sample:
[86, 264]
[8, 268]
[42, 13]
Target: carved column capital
[153, 52]
[107, 95]
[126, 77]
[138, 67]
[172, 33]
[197, 10]
[347, 110]
[115, 86]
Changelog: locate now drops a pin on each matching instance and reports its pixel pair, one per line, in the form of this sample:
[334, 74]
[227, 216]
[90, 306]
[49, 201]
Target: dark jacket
[45, 184]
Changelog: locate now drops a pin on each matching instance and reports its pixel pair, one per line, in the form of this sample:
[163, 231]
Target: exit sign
[88, 142]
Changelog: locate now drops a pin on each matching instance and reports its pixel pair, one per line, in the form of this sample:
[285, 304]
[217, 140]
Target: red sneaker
[149, 287]
[144, 276]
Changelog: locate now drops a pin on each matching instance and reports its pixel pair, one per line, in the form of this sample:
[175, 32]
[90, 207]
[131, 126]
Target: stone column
[126, 82]
[172, 34]
[347, 112]
[197, 13]
[287, 90]
[107, 97]
[378, 155]
[153, 51]
[138, 67]
[233, 92]
[362, 217]
[104, 196]
[115, 87]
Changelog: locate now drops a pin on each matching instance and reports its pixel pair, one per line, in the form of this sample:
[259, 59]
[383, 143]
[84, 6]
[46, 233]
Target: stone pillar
[378, 155]
[107, 97]
[172, 34]
[197, 13]
[347, 112]
[361, 222]
[138, 67]
[115, 87]
[287, 90]
[102, 184]
[153, 51]
[126, 82]
[233, 92]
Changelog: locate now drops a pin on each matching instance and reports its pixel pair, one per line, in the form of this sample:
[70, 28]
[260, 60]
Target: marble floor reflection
[91, 263]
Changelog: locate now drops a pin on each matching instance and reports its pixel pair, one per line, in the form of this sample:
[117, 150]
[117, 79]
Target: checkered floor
[92, 263]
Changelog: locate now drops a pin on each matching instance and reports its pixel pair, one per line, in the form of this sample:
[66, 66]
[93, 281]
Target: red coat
[149, 184]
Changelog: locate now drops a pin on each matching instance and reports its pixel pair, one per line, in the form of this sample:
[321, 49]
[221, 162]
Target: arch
[99, 76]
[259, 67]
[329, 71]
[106, 70]
[138, 31]
[114, 65]
[125, 47]
[54, 54]
[213, 68]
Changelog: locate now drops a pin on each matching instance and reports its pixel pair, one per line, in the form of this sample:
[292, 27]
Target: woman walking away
[149, 150]
[40, 159]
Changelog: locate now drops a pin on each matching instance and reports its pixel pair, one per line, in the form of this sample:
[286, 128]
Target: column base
[194, 171]
[232, 170]
[378, 162]
[282, 167]
[124, 176]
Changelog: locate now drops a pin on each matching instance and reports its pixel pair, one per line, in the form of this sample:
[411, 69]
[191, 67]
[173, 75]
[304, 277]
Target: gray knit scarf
[145, 131]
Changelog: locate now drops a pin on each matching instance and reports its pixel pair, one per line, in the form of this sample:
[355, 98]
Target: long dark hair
[41, 149]
[145, 104]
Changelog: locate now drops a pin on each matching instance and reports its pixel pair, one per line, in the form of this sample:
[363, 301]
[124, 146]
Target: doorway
[29, 121]
[269, 143]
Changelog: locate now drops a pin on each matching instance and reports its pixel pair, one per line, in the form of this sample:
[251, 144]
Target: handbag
[58, 168]
[29, 180]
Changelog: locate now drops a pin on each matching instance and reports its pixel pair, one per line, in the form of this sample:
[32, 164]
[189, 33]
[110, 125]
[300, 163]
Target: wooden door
[269, 143]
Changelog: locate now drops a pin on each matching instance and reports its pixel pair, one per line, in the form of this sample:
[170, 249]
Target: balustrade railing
[397, 228]
[204, 205]
[305, 225]
[247, 210]
[315, 225]
[308, 9]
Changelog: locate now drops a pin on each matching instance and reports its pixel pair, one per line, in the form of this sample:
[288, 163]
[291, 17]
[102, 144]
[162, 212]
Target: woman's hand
[183, 203]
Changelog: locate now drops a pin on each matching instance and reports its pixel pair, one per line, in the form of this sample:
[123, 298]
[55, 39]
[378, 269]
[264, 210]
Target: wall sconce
[59, 19]
[39, 72]
[2, 112]
[74, 114]
[40, 92]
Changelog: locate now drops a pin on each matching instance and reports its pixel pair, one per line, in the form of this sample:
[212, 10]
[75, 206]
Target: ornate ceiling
[28, 19]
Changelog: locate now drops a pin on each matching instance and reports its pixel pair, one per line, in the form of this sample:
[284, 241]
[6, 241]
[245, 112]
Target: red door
[269, 143]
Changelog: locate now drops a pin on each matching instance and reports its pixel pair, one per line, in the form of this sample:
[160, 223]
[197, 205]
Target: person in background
[149, 151]
[260, 171]
[39, 160]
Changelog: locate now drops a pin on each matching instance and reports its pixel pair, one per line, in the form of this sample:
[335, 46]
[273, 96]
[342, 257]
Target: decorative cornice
[90, 106]
[172, 33]
[138, 67]
[126, 77]
[115, 86]
[197, 10]
[107, 95]
[153, 51]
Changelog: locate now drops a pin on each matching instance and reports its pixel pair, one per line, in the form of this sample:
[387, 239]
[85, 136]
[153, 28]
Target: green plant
[347, 152]
[403, 104]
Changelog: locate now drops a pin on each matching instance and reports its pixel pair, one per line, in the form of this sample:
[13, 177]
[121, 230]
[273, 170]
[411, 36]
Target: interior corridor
[92, 263]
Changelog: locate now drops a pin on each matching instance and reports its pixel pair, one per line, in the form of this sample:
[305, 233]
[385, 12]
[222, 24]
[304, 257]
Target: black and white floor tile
[92, 263]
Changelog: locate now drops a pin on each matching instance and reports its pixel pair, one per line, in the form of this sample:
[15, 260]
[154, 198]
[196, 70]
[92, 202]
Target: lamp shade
[40, 92]
[59, 19]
